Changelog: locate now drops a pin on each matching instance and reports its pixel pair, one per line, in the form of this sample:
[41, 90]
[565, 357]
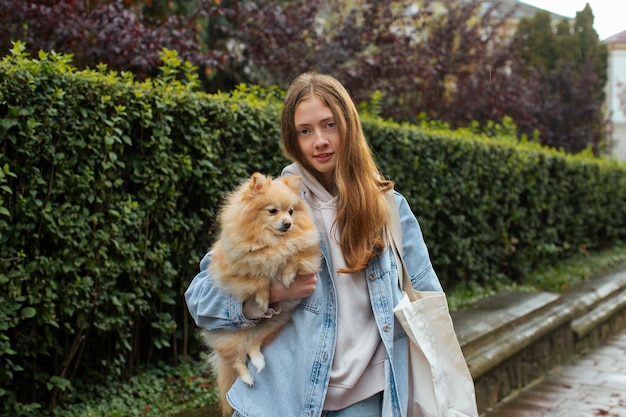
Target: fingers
[302, 287]
[306, 284]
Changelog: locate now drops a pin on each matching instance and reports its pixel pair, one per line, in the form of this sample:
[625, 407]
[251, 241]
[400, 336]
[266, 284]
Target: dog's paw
[287, 281]
[248, 379]
[288, 275]
[258, 360]
[263, 303]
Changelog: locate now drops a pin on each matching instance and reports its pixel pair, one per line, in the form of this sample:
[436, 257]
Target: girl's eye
[331, 125]
[272, 211]
[303, 131]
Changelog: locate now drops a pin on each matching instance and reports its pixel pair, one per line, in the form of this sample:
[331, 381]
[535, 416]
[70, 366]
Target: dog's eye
[272, 211]
[290, 212]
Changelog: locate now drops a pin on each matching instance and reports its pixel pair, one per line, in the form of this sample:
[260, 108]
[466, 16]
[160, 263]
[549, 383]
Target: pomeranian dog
[267, 235]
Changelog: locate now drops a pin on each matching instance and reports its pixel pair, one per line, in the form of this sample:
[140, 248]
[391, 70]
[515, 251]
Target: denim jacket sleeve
[416, 257]
[211, 308]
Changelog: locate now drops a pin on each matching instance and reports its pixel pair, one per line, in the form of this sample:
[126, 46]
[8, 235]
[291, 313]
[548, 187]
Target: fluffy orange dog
[267, 235]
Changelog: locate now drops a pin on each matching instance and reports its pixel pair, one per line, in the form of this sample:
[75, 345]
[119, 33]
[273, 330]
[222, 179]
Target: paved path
[591, 385]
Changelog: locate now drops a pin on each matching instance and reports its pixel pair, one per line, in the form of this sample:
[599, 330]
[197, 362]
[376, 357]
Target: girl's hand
[302, 287]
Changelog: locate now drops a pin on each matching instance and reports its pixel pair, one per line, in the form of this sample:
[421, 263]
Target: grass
[167, 391]
[162, 391]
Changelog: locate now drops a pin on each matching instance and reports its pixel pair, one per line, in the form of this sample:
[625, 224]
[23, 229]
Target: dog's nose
[286, 226]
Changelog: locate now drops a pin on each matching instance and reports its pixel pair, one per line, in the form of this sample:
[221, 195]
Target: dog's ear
[259, 183]
[294, 182]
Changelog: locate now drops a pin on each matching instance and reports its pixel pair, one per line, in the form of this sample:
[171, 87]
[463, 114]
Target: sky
[608, 18]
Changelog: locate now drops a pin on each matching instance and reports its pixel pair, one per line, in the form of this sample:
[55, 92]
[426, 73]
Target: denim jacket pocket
[312, 304]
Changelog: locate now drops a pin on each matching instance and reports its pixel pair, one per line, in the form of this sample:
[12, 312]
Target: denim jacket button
[372, 276]
[386, 327]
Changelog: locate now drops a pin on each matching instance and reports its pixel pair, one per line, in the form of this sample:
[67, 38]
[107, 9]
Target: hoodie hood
[313, 190]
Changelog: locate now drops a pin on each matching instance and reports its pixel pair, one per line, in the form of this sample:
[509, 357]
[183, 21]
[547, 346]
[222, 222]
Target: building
[521, 11]
[616, 92]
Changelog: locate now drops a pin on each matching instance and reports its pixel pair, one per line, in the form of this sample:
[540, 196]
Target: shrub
[110, 187]
[492, 207]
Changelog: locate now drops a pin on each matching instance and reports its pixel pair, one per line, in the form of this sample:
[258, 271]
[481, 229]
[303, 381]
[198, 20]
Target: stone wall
[512, 340]
[524, 368]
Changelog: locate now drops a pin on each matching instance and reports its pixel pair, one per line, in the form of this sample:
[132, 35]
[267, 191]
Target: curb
[513, 339]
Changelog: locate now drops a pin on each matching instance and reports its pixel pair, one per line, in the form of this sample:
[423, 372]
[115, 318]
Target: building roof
[618, 38]
[526, 10]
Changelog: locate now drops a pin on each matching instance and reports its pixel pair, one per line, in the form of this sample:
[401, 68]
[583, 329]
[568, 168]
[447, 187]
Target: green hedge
[494, 208]
[109, 189]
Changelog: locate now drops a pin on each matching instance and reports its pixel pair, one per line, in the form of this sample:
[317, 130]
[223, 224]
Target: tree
[536, 41]
[467, 59]
[413, 55]
[443, 58]
[567, 68]
[492, 93]
[589, 47]
[123, 37]
[568, 111]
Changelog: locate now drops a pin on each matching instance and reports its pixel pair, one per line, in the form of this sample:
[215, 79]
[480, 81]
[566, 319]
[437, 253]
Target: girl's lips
[323, 157]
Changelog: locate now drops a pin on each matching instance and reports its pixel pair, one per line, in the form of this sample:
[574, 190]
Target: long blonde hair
[362, 212]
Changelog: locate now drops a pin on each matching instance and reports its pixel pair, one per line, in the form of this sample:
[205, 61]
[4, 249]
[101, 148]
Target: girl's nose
[320, 139]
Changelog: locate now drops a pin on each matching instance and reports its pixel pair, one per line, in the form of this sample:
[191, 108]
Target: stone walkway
[591, 385]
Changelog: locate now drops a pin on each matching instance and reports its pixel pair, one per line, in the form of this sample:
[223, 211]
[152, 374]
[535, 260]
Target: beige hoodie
[358, 365]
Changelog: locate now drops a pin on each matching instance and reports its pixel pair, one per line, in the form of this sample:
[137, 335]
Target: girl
[343, 354]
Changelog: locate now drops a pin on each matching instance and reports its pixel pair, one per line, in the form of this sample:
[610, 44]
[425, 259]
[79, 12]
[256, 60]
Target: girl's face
[318, 137]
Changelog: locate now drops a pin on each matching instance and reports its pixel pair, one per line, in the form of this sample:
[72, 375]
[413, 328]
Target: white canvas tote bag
[440, 384]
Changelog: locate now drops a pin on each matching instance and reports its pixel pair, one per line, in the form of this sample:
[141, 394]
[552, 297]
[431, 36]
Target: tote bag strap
[396, 238]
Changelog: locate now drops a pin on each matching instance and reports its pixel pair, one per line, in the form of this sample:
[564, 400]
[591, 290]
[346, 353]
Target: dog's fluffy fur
[267, 235]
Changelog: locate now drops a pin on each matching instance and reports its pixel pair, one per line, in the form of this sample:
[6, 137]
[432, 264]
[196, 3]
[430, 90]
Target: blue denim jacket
[298, 361]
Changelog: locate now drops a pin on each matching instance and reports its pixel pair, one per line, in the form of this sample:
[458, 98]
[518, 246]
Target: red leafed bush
[121, 36]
